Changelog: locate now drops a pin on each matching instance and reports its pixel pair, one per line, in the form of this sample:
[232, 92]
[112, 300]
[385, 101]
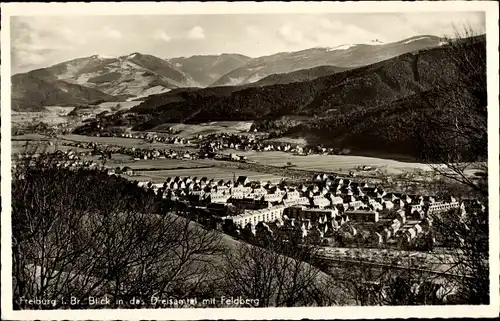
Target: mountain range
[99, 78]
[344, 56]
[384, 107]
[375, 84]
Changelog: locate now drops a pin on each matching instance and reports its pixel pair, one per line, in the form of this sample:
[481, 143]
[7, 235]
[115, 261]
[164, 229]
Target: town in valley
[316, 170]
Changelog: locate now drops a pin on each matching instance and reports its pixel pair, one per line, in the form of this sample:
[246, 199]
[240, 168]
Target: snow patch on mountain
[104, 57]
[341, 47]
[415, 39]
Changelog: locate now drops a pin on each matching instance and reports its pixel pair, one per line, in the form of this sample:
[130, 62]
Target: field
[30, 137]
[289, 140]
[21, 146]
[215, 173]
[124, 160]
[54, 115]
[330, 162]
[119, 141]
[192, 130]
[39, 143]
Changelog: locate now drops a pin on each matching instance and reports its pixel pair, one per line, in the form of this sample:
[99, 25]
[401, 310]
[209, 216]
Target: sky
[41, 41]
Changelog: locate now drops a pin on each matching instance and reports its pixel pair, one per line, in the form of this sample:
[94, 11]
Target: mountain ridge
[355, 55]
[137, 75]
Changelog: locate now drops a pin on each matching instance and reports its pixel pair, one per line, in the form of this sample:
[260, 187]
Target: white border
[32, 9]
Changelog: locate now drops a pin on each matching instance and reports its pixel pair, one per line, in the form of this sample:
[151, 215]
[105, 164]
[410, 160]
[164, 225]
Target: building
[316, 212]
[441, 207]
[243, 180]
[362, 215]
[249, 203]
[415, 211]
[320, 202]
[255, 216]
[312, 214]
[356, 204]
[336, 200]
[218, 198]
[274, 197]
[217, 208]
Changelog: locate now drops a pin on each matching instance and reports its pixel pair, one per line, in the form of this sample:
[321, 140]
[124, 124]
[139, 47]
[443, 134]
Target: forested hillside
[298, 76]
[366, 86]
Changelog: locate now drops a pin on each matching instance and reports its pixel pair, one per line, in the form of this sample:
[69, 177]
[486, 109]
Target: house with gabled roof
[244, 180]
[348, 198]
[319, 202]
[173, 185]
[335, 200]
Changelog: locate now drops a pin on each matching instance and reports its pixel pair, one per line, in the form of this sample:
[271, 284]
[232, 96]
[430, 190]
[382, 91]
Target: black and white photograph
[198, 159]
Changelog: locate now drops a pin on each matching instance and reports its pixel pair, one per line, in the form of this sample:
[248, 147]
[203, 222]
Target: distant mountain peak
[376, 42]
[133, 55]
[99, 56]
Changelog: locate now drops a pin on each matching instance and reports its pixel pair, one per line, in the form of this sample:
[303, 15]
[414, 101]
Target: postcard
[249, 160]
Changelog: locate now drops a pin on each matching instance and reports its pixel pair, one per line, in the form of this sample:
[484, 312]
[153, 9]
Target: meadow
[121, 141]
[193, 130]
[160, 163]
[330, 162]
[215, 173]
[53, 115]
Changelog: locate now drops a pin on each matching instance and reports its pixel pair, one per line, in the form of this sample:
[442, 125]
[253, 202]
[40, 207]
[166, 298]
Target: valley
[354, 164]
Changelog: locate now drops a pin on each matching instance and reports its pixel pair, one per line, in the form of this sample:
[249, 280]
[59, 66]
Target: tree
[400, 282]
[460, 143]
[277, 276]
[459, 134]
[83, 233]
[466, 238]
[116, 108]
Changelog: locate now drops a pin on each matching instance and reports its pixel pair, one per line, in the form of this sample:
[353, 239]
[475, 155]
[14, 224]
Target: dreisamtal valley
[343, 175]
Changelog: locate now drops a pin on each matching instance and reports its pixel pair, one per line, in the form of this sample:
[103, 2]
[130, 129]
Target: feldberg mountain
[346, 56]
